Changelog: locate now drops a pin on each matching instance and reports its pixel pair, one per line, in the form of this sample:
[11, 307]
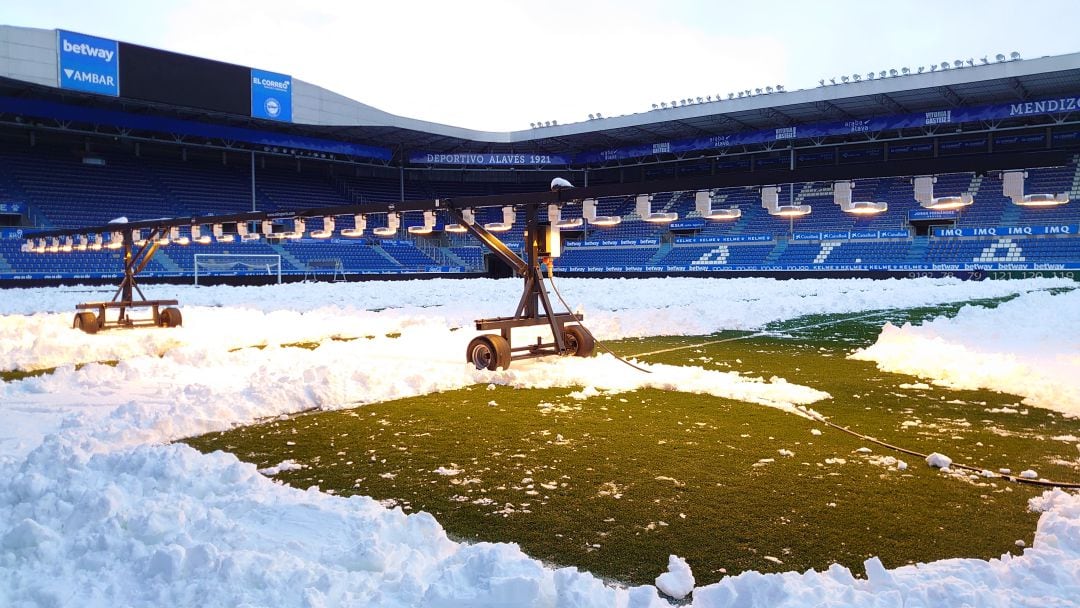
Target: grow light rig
[140, 240]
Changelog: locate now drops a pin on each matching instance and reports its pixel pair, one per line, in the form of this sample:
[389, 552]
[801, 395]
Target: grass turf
[615, 483]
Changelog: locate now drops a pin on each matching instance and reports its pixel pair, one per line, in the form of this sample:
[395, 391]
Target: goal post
[231, 264]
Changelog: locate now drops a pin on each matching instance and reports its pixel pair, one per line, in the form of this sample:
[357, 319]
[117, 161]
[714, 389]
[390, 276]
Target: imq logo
[87, 63]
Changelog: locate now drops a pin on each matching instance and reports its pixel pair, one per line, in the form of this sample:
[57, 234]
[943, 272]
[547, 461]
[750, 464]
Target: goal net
[233, 265]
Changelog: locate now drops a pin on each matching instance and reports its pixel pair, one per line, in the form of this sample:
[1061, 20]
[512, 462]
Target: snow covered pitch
[97, 508]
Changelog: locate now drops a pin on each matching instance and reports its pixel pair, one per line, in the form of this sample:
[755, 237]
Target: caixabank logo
[87, 63]
[271, 95]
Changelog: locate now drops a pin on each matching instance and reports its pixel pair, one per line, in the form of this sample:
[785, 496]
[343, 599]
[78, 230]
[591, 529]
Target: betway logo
[90, 51]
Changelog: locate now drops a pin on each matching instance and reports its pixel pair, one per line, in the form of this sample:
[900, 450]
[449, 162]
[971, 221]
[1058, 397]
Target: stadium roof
[322, 113]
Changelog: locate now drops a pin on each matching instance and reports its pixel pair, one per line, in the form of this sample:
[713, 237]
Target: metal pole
[253, 181]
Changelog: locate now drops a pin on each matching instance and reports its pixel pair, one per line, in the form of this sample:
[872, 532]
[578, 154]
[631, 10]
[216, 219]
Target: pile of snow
[1026, 346]
[97, 508]
[939, 461]
[678, 581]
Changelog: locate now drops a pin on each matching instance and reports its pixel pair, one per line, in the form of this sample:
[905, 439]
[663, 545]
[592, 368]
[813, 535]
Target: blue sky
[501, 65]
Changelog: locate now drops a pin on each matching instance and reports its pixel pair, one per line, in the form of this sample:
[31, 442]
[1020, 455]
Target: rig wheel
[86, 321]
[579, 343]
[490, 351]
[170, 317]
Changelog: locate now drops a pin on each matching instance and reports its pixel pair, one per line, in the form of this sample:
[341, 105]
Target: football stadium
[264, 344]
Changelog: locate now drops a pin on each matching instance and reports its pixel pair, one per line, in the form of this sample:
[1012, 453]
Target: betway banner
[488, 159]
[1068, 103]
[612, 243]
[87, 63]
[1000, 231]
[271, 95]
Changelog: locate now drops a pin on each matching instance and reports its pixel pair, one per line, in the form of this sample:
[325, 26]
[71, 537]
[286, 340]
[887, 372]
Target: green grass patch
[615, 483]
[17, 374]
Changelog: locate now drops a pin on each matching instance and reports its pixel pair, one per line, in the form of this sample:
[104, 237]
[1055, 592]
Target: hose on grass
[982, 471]
[551, 281]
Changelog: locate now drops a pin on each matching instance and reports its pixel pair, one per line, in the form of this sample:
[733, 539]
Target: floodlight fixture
[741, 93]
[700, 100]
[554, 123]
[832, 80]
[507, 222]
[68, 245]
[299, 227]
[1014, 55]
[945, 65]
[893, 73]
[870, 76]
[984, 60]
[198, 237]
[532, 125]
[95, 242]
[174, 234]
[792, 210]
[470, 218]
[359, 224]
[591, 117]
[958, 63]
[588, 211]
[220, 236]
[757, 91]
[393, 222]
[82, 243]
[905, 71]
[116, 240]
[844, 79]
[245, 233]
[327, 229]
[40, 247]
[999, 57]
[427, 227]
[54, 245]
[708, 98]
[703, 205]
[731, 95]
[779, 88]
[663, 105]
[164, 238]
[922, 69]
[945, 203]
[768, 89]
[1043, 200]
[644, 209]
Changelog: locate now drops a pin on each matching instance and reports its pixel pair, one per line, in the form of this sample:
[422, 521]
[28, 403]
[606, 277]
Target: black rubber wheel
[86, 321]
[170, 317]
[579, 343]
[489, 351]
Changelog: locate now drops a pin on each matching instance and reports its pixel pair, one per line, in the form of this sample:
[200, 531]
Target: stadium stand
[70, 159]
